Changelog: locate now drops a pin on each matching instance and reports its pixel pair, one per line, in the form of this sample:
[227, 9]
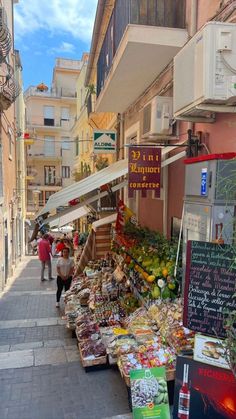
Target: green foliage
[101, 163]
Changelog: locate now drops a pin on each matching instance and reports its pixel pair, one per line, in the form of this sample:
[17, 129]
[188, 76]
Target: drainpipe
[193, 18]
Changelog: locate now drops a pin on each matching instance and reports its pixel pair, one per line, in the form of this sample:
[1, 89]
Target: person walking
[65, 269]
[44, 253]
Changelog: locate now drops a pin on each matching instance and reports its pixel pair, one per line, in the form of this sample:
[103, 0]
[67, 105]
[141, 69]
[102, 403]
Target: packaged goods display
[110, 320]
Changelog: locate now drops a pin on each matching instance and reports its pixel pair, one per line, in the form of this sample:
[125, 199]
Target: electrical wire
[206, 148]
[227, 64]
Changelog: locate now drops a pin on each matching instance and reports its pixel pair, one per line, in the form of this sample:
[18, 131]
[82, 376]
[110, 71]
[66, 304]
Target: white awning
[83, 187]
[67, 218]
[96, 180]
[103, 221]
[53, 219]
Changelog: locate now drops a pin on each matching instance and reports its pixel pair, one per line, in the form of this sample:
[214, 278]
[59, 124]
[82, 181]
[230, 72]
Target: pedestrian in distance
[65, 270]
[44, 253]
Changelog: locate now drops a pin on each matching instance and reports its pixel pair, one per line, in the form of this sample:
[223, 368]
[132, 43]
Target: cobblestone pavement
[40, 373]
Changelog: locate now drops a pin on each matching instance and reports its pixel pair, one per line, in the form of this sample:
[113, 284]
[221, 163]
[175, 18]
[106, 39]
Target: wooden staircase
[103, 240]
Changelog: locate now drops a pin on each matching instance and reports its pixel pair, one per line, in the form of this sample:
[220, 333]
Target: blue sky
[47, 29]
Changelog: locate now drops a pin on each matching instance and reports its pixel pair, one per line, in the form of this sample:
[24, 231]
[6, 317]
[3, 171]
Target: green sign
[149, 394]
[104, 141]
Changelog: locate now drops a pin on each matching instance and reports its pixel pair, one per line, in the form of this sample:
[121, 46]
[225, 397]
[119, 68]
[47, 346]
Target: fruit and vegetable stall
[125, 309]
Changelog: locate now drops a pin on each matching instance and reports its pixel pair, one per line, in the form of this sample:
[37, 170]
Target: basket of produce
[92, 353]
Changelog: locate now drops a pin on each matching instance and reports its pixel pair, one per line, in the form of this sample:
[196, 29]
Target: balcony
[141, 40]
[46, 124]
[59, 92]
[31, 157]
[44, 186]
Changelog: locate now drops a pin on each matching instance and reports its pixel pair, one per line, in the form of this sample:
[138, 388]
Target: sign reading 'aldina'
[144, 169]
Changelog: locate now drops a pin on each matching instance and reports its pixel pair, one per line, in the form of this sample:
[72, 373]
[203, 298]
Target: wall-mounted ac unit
[156, 117]
[205, 73]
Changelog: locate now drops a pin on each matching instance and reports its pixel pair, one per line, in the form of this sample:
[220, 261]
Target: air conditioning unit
[157, 117]
[205, 73]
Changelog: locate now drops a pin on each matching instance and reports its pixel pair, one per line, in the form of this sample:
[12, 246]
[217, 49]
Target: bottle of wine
[184, 396]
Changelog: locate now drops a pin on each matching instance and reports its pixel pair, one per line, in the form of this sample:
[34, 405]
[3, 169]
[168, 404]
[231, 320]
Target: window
[49, 175]
[65, 143]
[48, 194]
[65, 114]
[49, 146]
[48, 112]
[65, 172]
[41, 200]
[10, 142]
[77, 146]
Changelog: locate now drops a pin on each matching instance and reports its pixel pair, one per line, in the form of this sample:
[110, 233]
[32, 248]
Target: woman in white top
[65, 269]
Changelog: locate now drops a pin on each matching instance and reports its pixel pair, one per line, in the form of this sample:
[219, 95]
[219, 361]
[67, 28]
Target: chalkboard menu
[210, 283]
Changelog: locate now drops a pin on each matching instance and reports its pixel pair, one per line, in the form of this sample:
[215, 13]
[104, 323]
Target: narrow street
[40, 372]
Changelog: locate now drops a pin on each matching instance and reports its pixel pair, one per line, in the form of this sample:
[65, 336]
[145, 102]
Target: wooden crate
[102, 360]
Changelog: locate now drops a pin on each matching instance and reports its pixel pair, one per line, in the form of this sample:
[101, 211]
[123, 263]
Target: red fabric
[219, 156]
[50, 239]
[60, 247]
[76, 240]
[44, 250]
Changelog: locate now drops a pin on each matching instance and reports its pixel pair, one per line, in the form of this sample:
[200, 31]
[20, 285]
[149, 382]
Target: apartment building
[50, 115]
[9, 90]
[135, 45]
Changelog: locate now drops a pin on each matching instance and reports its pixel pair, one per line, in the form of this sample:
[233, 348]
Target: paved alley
[40, 373]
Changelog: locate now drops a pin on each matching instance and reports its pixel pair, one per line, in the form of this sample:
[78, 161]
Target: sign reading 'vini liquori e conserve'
[210, 285]
[144, 170]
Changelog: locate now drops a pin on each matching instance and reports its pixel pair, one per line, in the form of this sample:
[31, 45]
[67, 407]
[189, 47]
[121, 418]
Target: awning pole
[179, 242]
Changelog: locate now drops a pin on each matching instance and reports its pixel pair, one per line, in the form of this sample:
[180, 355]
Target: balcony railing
[51, 93]
[51, 123]
[168, 13]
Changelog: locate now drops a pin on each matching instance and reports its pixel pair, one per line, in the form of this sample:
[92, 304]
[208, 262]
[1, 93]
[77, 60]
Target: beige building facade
[50, 116]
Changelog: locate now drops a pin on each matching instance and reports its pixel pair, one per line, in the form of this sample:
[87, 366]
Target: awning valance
[85, 186]
[67, 218]
[53, 219]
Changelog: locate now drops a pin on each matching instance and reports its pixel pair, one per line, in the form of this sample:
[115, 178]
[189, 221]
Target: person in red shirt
[44, 253]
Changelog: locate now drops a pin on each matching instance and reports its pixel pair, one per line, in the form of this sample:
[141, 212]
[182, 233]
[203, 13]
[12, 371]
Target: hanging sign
[104, 142]
[144, 170]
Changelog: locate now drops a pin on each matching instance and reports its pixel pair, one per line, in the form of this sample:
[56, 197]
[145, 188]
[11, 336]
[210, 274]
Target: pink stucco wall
[222, 133]
[150, 213]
